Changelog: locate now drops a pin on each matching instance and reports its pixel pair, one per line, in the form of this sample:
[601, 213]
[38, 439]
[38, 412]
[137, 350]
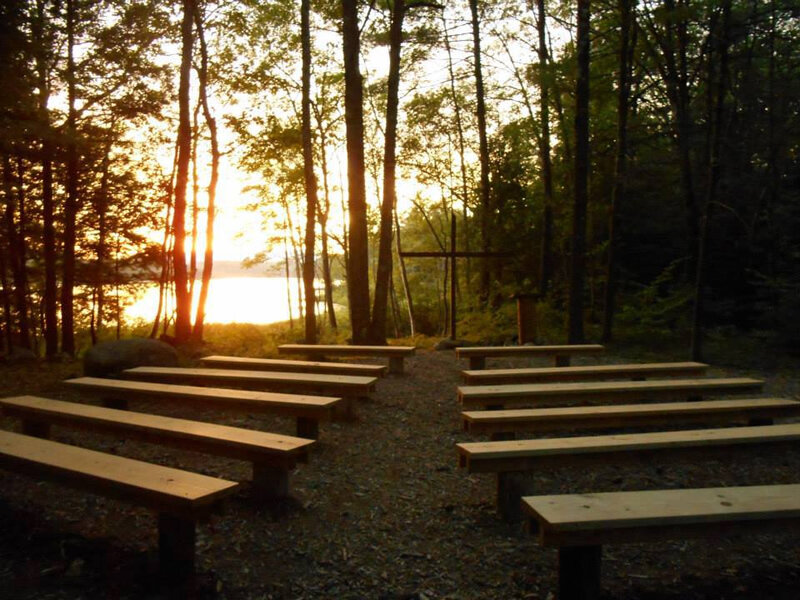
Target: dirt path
[380, 511]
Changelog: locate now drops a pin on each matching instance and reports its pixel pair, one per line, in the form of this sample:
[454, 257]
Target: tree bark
[182, 300]
[578, 258]
[310, 179]
[358, 267]
[626, 8]
[480, 113]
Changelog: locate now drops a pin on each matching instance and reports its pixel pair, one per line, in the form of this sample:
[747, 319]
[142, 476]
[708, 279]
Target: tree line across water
[635, 161]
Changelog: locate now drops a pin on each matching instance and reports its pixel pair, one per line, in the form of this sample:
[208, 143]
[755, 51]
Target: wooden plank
[231, 442]
[344, 350]
[627, 415]
[293, 366]
[619, 517]
[318, 407]
[339, 384]
[605, 391]
[551, 350]
[164, 489]
[521, 455]
[583, 373]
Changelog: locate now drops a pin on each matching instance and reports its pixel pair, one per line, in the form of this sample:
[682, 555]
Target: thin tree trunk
[15, 258]
[626, 8]
[358, 267]
[102, 233]
[715, 139]
[384, 270]
[71, 200]
[404, 275]
[287, 274]
[211, 208]
[483, 153]
[5, 294]
[578, 258]
[322, 215]
[310, 179]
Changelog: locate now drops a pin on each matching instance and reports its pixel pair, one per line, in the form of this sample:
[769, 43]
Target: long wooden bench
[538, 394]
[395, 354]
[315, 383]
[561, 354]
[307, 410]
[580, 524]
[566, 418]
[293, 366]
[271, 454]
[584, 373]
[507, 457]
[180, 498]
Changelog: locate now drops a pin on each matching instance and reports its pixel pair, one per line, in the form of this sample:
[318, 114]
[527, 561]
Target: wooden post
[579, 572]
[113, 402]
[396, 365]
[308, 428]
[36, 428]
[477, 363]
[270, 482]
[453, 275]
[562, 361]
[176, 537]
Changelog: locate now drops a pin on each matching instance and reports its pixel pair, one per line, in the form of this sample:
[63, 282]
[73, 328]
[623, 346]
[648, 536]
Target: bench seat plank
[308, 410]
[520, 455]
[579, 524]
[477, 355]
[597, 391]
[160, 488]
[231, 442]
[627, 415]
[338, 384]
[583, 373]
[293, 366]
[396, 354]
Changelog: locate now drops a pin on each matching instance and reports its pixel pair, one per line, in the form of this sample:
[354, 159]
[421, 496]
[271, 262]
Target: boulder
[111, 358]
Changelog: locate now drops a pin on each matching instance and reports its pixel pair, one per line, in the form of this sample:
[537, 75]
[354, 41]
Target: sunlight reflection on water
[234, 300]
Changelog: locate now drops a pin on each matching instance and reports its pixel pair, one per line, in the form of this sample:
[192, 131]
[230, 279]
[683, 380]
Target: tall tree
[309, 178]
[358, 261]
[184, 142]
[578, 257]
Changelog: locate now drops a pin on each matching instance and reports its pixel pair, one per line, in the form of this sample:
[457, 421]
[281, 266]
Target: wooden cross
[453, 255]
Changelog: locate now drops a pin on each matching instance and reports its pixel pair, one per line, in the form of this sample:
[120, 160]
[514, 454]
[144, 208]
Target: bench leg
[757, 421]
[509, 494]
[396, 365]
[561, 361]
[118, 403]
[579, 572]
[39, 429]
[270, 482]
[176, 538]
[307, 428]
[477, 363]
[500, 436]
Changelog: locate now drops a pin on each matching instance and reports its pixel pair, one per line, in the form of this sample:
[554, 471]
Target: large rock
[111, 358]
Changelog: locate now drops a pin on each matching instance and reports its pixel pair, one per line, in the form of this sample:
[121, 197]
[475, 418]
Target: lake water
[234, 300]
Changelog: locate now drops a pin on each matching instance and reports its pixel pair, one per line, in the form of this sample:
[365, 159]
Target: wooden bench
[579, 524]
[584, 373]
[758, 411]
[308, 410]
[561, 354]
[178, 497]
[293, 366]
[341, 385]
[396, 354]
[272, 455]
[507, 457]
[538, 394]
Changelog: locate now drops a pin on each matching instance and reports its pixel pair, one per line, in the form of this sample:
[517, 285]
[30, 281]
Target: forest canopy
[633, 164]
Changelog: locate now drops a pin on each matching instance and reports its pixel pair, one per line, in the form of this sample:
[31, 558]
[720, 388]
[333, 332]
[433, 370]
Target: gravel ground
[380, 511]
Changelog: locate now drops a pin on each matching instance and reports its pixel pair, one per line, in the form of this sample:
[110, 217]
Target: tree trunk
[322, 216]
[715, 138]
[208, 255]
[358, 268]
[480, 111]
[309, 179]
[15, 252]
[182, 300]
[578, 258]
[621, 169]
[384, 270]
[404, 275]
[71, 200]
[546, 265]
